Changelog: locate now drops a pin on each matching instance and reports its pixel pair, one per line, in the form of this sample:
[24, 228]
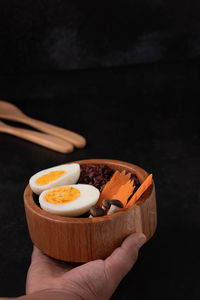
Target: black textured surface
[147, 115]
[44, 35]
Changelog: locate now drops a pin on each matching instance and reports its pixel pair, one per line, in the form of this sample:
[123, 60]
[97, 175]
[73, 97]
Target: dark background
[125, 76]
[40, 35]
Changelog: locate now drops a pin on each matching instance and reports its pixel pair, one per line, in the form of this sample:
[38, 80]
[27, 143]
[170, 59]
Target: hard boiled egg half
[55, 176]
[69, 200]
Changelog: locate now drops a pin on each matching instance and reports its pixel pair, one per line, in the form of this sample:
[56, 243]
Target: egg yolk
[62, 195]
[51, 176]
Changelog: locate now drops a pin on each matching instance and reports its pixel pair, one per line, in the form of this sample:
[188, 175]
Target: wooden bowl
[86, 239]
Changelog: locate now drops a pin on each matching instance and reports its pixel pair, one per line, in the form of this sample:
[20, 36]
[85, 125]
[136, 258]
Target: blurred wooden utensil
[11, 112]
[43, 139]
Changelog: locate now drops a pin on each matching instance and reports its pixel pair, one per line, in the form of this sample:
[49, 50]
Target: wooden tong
[57, 139]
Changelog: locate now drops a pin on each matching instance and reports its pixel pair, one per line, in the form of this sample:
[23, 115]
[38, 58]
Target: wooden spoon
[9, 111]
[43, 139]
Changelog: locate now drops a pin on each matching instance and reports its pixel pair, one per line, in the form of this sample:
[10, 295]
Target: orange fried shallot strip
[112, 186]
[124, 192]
[143, 187]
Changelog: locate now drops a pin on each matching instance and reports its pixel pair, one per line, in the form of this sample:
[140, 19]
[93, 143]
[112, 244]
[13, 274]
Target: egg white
[88, 197]
[70, 177]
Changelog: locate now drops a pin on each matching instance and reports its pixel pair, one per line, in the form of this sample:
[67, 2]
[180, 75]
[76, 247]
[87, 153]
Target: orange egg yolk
[62, 195]
[49, 177]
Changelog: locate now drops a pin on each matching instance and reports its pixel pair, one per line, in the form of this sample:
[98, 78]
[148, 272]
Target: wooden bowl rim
[31, 205]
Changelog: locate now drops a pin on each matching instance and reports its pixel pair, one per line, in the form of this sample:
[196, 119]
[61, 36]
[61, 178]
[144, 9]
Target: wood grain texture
[86, 239]
[11, 112]
[42, 139]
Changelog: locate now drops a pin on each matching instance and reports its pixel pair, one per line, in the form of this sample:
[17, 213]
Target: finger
[120, 262]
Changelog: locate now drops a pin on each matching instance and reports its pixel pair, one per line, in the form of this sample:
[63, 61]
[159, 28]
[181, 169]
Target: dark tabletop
[147, 115]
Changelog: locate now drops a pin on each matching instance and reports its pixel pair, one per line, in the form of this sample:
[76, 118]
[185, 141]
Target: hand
[97, 279]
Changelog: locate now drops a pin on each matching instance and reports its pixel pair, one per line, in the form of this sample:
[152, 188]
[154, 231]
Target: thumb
[120, 262]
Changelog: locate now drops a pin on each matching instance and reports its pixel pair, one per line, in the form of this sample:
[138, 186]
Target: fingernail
[141, 240]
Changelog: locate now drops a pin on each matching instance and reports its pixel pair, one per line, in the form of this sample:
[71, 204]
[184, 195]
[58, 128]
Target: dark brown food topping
[99, 174]
[97, 211]
[106, 203]
[116, 202]
[95, 174]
